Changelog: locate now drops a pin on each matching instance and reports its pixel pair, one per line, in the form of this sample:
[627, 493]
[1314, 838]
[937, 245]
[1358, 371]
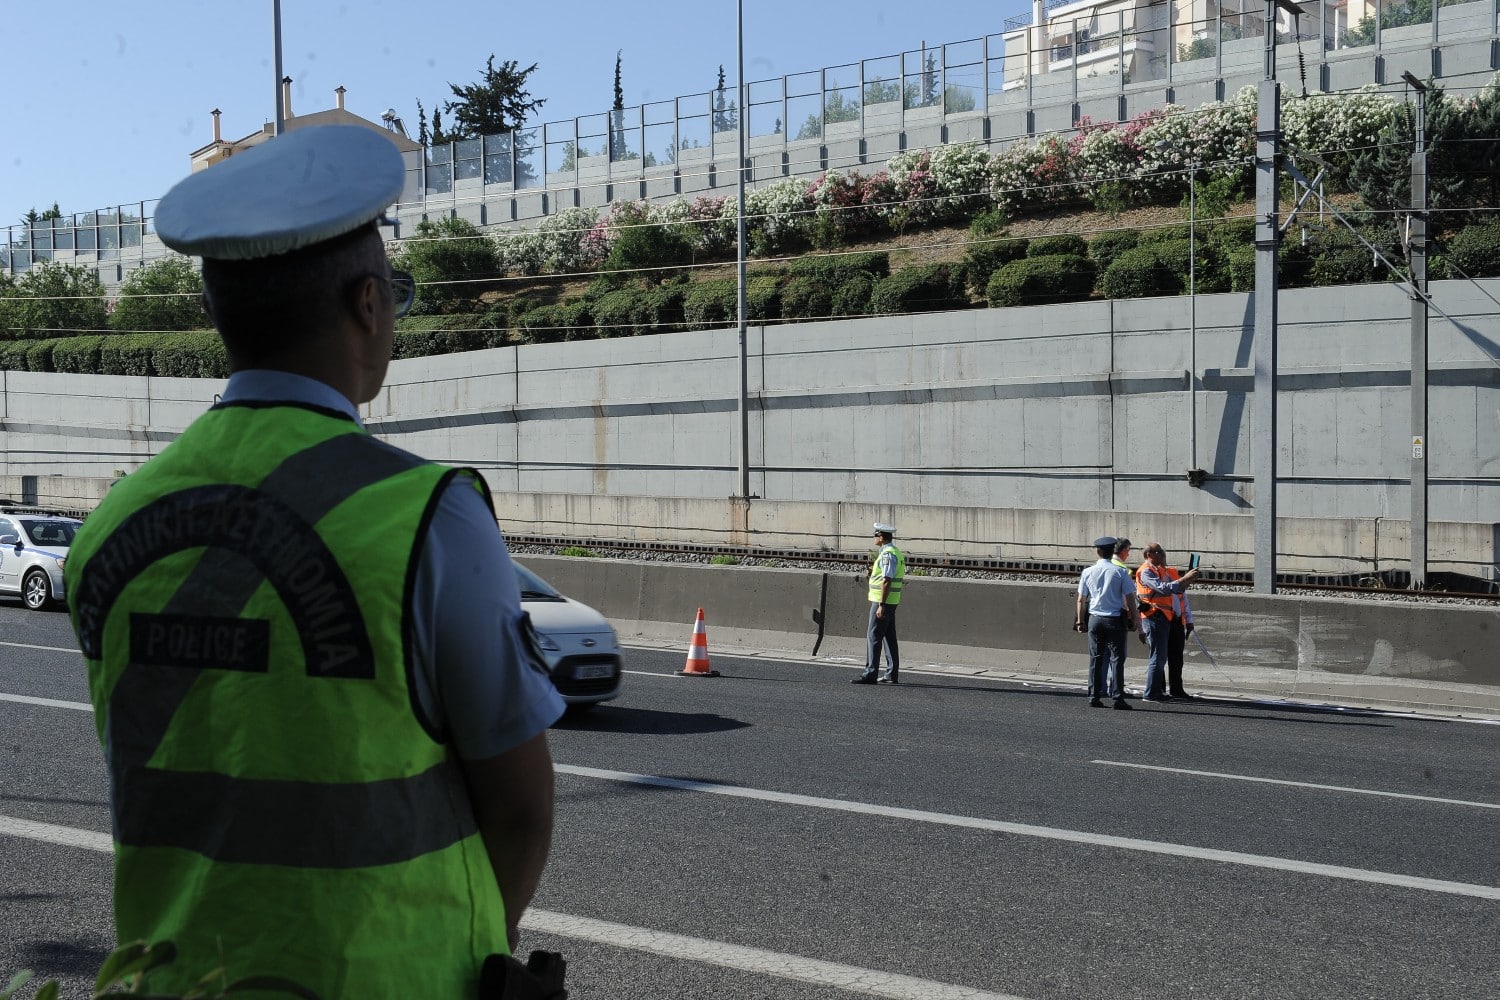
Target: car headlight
[546, 642]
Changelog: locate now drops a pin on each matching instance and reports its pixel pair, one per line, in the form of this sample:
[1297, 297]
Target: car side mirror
[10, 538]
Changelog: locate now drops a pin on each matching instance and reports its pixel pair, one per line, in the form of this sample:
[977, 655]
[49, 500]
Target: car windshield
[49, 532]
[533, 587]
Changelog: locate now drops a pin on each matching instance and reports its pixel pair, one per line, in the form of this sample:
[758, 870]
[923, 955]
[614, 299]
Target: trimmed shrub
[614, 314]
[39, 355]
[13, 355]
[191, 354]
[832, 270]
[712, 303]
[647, 249]
[1063, 245]
[551, 324]
[659, 310]
[1164, 234]
[806, 298]
[1345, 261]
[1475, 250]
[1292, 265]
[78, 355]
[1041, 280]
[449, 250]
[1106, 246]
[852, 298]
[988, 223]
[127, 354]
[762, 297]
[926, 288]
[986, 255]
[1140, 273]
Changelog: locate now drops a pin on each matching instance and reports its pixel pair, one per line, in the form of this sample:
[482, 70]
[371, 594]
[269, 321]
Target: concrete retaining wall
[1350, 652]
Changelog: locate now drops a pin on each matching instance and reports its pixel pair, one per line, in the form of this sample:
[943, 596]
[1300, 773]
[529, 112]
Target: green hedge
[1106, 246]
[174, 355]
[1034, 281]
[1064, 245]
[550, 324]
[986, 255]
[833, 270]
[806, 298]
[716, 302]
[925, 288]
[1140, 272]
[852, 298]
[1475, 250]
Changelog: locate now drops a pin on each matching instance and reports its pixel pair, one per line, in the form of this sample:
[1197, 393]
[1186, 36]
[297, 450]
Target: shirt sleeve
[475, 678]
[887, 565]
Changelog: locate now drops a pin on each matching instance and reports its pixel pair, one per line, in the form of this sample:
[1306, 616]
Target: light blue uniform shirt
[472, 675]
[1105, 585]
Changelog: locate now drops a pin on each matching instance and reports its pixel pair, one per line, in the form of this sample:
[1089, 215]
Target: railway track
[1452, 588]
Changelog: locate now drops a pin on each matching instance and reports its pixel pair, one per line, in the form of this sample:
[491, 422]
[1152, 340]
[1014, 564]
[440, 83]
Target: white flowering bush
[778, 216]
[556, 244]
[962, 174]
[1220, 136]
[1336, 127]
[1033, 174]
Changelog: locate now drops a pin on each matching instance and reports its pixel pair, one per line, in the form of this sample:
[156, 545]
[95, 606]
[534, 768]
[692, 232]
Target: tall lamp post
[276, 30]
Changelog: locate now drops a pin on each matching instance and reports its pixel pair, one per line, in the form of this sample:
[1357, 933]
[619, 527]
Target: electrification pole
[1417, 248]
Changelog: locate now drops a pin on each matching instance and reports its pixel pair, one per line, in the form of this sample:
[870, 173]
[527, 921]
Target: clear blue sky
[105, 100]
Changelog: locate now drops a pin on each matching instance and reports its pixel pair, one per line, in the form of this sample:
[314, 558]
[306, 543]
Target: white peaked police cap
[885, 529]
[290, 192]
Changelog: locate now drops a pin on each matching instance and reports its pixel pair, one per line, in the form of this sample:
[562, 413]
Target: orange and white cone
[697, 658]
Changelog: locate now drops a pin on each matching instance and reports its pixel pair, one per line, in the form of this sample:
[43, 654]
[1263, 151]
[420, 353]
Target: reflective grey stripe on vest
[307, 485]
[300, 824]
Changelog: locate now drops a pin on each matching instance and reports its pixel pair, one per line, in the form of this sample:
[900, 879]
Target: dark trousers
[1106, 654]
[882, 631]
[1176, 646]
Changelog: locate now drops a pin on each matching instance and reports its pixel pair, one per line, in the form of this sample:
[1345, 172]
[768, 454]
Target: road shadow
[62, 958]
[646, 721]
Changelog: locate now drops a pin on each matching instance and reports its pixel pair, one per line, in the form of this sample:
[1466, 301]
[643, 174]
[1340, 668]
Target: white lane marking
[1049, 833]
[65, 835]
[46, 649]
[768, 963]
[870, 982]
[77, 706]
[1300, 784]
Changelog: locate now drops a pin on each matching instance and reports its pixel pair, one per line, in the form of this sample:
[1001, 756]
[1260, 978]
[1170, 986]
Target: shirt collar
[267, 385]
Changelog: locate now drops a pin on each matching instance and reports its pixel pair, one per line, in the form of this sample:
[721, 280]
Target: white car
[582, 651]
[33, 548]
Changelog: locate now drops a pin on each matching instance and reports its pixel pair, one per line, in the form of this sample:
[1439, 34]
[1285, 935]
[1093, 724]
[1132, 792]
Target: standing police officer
[1106, 593]
[324, 726]
[887, 574]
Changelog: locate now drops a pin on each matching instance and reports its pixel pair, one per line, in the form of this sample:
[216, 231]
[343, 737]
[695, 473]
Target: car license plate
[594, 671]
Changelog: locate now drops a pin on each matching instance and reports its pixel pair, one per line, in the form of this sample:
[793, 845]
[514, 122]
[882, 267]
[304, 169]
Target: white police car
[33, 548]
[582, 651]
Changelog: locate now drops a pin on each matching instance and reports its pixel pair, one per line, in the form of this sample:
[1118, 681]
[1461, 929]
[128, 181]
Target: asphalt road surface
[778, 832]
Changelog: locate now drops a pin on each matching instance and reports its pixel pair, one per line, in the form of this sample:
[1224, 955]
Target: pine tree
[617, 115]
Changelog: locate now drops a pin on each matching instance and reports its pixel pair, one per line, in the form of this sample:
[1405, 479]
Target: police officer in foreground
[1106, 611]
[324, 725]
[887, 577]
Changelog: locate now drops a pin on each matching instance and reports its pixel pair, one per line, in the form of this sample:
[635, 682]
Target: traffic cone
[697, 658]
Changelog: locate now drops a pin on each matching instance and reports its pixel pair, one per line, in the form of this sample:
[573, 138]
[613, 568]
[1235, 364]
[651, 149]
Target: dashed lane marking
[1299, 784]
[1392, 879]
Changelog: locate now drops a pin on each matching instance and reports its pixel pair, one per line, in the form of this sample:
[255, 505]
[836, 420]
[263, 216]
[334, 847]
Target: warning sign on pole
[1416, 449]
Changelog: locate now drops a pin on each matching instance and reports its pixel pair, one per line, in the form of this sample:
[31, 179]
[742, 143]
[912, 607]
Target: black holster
[541, 978]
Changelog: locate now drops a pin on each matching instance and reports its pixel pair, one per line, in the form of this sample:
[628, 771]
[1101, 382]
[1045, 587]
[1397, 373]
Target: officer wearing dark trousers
[887, 578]
[1107, 596]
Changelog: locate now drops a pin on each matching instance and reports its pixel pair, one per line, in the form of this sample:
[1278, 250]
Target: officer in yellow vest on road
[887, 577]
[323, 719]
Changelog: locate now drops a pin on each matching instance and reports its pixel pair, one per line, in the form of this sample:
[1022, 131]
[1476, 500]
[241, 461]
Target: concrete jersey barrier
[1352, 652]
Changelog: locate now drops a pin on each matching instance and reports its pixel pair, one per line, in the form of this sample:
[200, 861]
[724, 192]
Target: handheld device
[1194, 560]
